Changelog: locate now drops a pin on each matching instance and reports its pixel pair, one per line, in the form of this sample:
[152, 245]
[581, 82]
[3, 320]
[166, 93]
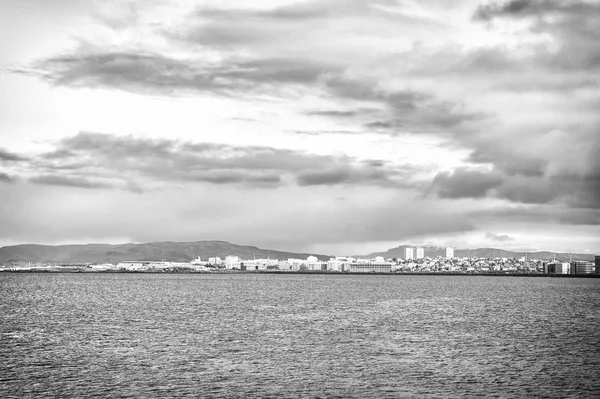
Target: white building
[420, 253]
[408, 253]
[449, 252]
[340, 263]
[232, 262]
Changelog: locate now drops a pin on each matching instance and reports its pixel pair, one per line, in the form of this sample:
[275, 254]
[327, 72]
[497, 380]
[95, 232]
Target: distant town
[414, 261]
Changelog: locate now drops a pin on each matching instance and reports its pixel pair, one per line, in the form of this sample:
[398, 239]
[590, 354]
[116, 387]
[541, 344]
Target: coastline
[304, 272]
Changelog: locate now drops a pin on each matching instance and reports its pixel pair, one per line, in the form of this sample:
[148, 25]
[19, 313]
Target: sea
[251, 335]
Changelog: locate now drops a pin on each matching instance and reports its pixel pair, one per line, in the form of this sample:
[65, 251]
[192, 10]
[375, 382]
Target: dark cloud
[573, 24]
[560, 164]
[499, 237]
[323, 132]
[141, 72]
[68, 181]
[6, 178]
[534, 8]
[408, 110]
[302, 11]
[229, 177]
[509, 162]
[344, 176]
[572, 191]
[95, 160]
[540, 214]
[235, 28]
[465, 183]
[383, 125]
[8, 156]
[335, 114]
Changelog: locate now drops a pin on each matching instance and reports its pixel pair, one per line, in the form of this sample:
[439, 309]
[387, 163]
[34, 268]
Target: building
[370, 267]
[408, 253]
[449, 252]
[558, 268]
[199, 262]
[232, 262]
[420, 253]
[582, 267]
[215, 260]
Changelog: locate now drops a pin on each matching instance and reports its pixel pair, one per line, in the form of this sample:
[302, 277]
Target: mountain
[433, 251]
[169, 251]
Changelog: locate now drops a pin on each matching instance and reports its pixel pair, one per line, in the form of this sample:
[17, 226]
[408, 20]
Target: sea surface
[297, 336]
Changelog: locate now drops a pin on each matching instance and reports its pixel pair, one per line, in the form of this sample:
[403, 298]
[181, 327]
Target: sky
[328, 126]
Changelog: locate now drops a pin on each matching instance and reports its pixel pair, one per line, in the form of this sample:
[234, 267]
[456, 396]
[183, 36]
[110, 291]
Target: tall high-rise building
[420, 253]
[408, 253]
[449, 252]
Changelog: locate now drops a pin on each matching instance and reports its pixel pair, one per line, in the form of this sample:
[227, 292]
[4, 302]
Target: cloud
[539, 214]
[557, 165]
[150, 72]
[68, 181]
[6, 178]
[533, 8]
[499, 237]
[569, 23]
[7, 156]
[464, 183]
[240, 52]
[335, 114]
[345, 176]
[235, 28]
[96, 160]
[468, 183]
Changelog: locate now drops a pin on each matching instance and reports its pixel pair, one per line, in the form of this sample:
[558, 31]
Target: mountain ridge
[187, 251]
[114, 253]
[434, 251]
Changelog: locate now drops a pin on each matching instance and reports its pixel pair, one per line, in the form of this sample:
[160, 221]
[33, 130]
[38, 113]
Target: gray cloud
[344, 176]
[241, 28]
[68, 181]
[557, 163]
[534, 189]
[499, 237]
[335, 114]
[508, 161]
[571, 23]
[533, 8]
[7, 156]
[95, 160]
[540, 214]
[408, 110]
[142, 72]
[465, 183]
[6, 178]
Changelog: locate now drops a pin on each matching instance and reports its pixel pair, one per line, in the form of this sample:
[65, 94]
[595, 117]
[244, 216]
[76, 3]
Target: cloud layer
[486, 112]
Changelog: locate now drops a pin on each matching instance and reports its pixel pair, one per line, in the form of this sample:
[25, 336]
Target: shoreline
[304, 272]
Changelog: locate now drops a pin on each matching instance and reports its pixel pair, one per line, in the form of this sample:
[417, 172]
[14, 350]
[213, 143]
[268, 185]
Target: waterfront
[297, 335]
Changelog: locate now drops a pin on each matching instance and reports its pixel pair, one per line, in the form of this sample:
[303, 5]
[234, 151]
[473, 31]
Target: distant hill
[433, 251]
[168, 251]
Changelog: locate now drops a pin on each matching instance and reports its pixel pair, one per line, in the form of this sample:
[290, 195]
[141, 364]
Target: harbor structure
[582, 267]
[370, 267]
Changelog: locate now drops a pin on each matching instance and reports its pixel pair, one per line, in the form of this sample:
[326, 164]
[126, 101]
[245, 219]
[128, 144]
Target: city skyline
[312, 126]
